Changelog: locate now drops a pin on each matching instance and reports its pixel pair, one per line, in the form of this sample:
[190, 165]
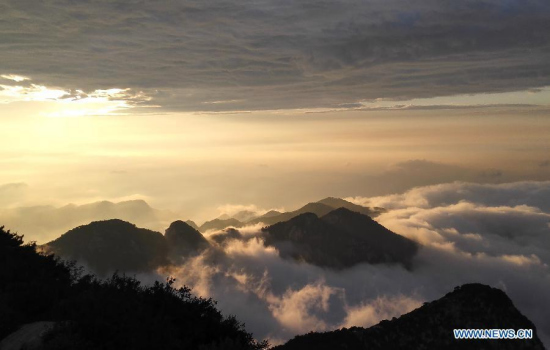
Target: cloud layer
[492, 234]
[226, 55]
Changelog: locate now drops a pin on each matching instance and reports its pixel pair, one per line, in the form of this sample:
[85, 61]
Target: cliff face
[471, 306]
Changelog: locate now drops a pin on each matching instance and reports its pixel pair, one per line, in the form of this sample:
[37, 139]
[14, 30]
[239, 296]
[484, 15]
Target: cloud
[469, 233]
[71, 102]
[270, 54]
[382, 308]
[531, 193]
[13, 77]
[404, 175]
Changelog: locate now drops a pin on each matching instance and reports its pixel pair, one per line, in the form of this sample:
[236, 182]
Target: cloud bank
[226, 55]
[492, 234]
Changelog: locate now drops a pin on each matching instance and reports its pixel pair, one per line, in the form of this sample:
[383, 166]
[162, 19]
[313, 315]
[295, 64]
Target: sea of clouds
[493, 234]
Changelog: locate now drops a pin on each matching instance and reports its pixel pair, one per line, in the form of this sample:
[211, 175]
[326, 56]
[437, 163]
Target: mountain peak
[339, 239]
[111, 245]
[471, 306]
[183, 239]
[342, 203]
[219, 224]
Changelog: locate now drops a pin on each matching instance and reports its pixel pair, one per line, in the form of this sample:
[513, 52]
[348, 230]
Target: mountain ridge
[470, 306]
[325, 241]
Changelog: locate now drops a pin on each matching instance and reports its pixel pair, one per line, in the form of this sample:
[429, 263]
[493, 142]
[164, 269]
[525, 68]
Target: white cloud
[463, 242]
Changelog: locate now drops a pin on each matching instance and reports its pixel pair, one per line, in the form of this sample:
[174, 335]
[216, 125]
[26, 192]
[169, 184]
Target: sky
[437, 110]
[199, 104]
[193, 105]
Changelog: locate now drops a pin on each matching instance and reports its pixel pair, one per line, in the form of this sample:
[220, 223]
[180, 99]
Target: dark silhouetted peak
[472, 306]
[226, 235]
[318, 209]
[341, 203]
[218, 224]
[112, 245]
[179, 230]
[183, 239]
[346, 213]
[303, 226]
[192, 224]
[381, 244]
[340, 239]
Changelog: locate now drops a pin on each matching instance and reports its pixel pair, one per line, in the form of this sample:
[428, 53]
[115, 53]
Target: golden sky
[76, 151]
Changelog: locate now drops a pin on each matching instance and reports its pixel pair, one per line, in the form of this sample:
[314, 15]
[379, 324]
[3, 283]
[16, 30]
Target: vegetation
[111, 245]
[470, 306]
[115, 313]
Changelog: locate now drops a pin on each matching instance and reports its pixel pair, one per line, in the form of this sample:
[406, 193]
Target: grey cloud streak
[278, 54]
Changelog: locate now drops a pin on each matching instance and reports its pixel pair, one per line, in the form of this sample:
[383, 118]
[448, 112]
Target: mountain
[220, 224]
[44, 223]
[318, 209]
[112, 245]
[341, 203]
[183, 240]
[471, 306]
[271, 213]
[192, 224]
[370, 239]
[223, 217]
[245, 215]
[339, 239]
[39, 291]
[227, 234]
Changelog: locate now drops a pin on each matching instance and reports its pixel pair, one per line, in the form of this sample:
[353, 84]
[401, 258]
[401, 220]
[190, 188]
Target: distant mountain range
[46, 222]
[43, 223]
[471, 306]
[319, 208]
[339, 238]
[220, 224]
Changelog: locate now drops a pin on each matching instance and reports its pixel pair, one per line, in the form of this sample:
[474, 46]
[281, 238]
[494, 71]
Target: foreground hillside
[472, 306]
[116, 313]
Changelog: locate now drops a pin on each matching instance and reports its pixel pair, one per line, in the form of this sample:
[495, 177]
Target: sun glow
[67, 103]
